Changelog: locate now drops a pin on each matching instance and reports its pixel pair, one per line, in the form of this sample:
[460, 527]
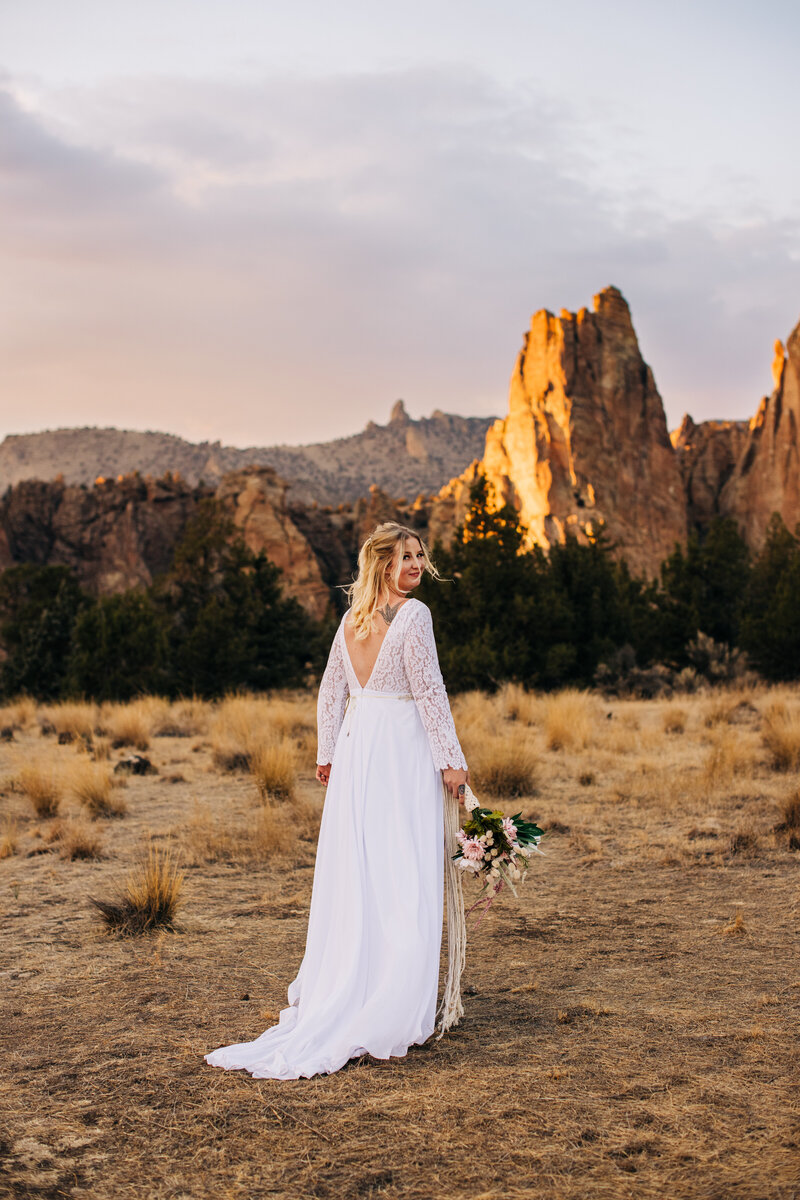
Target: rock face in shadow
[256, 500]
[707, 455]
[585, 442]
[766, 478]
[121, 533]
[115, 535]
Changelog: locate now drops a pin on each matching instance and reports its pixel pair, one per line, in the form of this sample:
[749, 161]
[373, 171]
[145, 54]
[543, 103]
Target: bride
[386, 746]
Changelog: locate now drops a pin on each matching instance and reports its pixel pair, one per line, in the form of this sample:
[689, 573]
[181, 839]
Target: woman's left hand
[453, 778]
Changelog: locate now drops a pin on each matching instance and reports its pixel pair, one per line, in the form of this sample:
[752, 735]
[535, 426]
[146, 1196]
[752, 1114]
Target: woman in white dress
[386, 746]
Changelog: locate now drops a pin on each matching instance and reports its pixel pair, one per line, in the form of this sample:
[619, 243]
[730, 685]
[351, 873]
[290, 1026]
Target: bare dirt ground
[631, 1020]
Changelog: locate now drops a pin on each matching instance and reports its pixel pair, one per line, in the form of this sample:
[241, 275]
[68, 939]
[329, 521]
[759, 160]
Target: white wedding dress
[369, 977]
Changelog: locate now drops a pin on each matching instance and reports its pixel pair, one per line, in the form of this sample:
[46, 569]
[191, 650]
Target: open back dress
[368, 980]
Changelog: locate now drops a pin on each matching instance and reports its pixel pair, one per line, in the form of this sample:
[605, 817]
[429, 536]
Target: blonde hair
[375, 562]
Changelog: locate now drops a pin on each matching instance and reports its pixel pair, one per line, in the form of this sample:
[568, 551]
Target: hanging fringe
[451, 1008]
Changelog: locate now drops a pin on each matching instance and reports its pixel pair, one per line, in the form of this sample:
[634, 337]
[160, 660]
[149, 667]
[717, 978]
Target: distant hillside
[404, 458]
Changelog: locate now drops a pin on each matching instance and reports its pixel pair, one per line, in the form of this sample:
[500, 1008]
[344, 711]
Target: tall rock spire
[585, 441]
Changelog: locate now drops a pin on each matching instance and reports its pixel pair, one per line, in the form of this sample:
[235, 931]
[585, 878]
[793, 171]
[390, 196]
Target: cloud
[278, 261]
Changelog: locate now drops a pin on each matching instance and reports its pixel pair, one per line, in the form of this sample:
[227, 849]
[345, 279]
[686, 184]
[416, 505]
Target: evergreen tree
[702, 589]
[119, 648]
[38, 608]
[770, 627]
[229, 625]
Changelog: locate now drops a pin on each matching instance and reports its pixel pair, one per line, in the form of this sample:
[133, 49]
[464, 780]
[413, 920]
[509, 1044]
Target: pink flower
[510, 828]
[472, 849]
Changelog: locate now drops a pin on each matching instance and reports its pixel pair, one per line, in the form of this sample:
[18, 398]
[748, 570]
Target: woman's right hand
[324, 773]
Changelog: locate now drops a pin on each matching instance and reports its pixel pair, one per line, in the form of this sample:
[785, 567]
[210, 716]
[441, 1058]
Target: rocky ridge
[406, 457]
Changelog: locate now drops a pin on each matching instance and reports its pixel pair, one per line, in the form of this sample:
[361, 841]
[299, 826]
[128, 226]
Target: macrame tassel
[451, 1008]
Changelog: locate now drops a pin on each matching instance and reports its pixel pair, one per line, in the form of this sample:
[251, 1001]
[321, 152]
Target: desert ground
[631, 1018]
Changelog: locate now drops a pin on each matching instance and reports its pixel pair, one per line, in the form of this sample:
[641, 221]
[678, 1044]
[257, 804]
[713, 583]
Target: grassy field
[631, 1024]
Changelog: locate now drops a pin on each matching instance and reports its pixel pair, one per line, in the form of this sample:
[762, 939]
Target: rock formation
[585, 441]
[766, 478]
[707, 454]
[256, 500]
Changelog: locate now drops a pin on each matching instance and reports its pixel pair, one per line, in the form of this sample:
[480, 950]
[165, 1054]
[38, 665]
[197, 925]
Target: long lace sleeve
[424, 674]
[333, 692]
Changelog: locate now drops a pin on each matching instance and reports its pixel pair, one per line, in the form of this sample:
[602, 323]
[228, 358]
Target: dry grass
[274, 768]
[516, 704]
[730, 753]
[130, 724]
[183, 718]
[568, 719]
[9, 838]
[781, 734]
[240, 727]
[502, 765]
[77, 840]
[630, 1022]
[790, 813]
[19, 713]
[675, 719]
[71, 719]
[265, 833]
[151, 898]
[92, 785]
[43, 786]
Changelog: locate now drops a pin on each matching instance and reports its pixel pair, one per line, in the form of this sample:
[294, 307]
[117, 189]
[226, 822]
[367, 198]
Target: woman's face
[412, 563]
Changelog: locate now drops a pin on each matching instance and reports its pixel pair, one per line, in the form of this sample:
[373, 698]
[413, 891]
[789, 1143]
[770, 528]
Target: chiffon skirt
[368, 980]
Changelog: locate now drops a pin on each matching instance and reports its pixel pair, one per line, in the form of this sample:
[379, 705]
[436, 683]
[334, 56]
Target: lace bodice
[407, 662]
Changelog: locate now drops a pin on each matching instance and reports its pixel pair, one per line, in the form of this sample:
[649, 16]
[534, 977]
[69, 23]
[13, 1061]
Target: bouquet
[495, 847]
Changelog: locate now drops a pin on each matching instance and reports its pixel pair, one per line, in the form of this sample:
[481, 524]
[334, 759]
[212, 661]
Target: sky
[263, 223]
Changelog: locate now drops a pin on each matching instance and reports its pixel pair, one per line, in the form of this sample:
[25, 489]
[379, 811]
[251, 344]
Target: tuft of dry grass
[516, 704]
[675, 719]
[240, 727]
[502, 765]
[730, 753]
[42, 785]
[152, 895]
[18, 713]
[78, 841]
[9, 839]
[735, 928]
[130, 724]
[92, 785]
[568, 719]
[75, 720]
[184, 718]
[274, 768]
[790, 814]
[781, 735]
